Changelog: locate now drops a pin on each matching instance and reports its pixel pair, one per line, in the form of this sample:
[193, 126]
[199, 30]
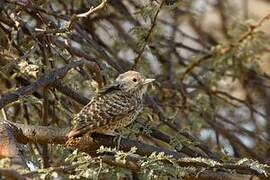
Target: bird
[113, 107]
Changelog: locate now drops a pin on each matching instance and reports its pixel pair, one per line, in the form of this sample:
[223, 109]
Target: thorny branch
[252, 28]
[83, 15]
[148, 35]
[43, 81]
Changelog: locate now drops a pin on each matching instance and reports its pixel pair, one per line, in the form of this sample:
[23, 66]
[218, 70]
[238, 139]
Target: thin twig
[147, 37]
[86, 14]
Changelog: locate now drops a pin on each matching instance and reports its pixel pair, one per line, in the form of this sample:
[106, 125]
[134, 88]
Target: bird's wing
[103, 110]
[108, 89]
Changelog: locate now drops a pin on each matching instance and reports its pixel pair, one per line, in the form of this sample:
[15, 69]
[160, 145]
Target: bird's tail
[76, 134]
[79, 131]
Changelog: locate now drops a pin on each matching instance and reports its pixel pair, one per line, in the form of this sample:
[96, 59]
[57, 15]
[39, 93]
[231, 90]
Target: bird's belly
[123, 122]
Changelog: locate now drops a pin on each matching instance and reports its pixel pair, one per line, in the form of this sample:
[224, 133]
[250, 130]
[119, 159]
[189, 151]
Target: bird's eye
[134, 80]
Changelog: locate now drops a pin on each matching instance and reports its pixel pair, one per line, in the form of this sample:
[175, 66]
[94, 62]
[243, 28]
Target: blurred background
[210, 59]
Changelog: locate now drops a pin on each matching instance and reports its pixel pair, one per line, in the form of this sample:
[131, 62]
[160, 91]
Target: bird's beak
[147, 81]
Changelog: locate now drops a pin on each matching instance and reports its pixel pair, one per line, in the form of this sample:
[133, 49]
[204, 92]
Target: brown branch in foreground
[42, 134]
[125, 144]
[39, 134]
[49, 134]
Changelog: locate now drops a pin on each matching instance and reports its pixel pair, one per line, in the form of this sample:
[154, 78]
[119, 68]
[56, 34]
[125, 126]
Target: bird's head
[133, 82]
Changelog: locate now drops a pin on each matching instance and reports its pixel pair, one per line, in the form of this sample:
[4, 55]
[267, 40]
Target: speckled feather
[107, 111]
[114, 107]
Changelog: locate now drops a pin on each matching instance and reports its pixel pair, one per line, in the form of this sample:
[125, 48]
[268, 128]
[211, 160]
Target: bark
[9, 147]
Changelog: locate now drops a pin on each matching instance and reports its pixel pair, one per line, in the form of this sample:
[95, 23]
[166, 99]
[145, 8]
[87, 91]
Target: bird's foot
[117, 137]
[112, 133]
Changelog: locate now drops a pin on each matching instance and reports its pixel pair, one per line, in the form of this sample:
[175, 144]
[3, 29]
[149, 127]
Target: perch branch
[48, 134]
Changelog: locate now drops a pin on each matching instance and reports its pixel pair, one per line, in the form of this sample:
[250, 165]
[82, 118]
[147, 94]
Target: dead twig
[86, 14]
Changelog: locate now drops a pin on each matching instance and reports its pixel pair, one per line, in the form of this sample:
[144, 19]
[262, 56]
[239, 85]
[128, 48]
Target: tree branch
[48, 134]
[11, 174]
[9, 147]
[42, 134]
[44, 81]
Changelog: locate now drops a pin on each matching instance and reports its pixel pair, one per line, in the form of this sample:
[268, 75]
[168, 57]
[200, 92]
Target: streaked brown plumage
[114, 107]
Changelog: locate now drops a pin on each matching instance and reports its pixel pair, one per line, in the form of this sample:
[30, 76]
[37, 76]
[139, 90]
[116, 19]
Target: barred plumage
[114, 107]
